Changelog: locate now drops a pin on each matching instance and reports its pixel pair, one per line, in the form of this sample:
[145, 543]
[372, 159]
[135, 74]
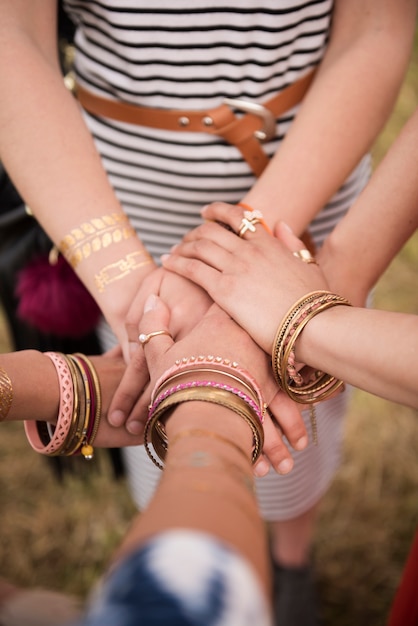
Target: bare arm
[49, 152]
[36, 392]
[374, 350]
[385, 215]
[349, 101]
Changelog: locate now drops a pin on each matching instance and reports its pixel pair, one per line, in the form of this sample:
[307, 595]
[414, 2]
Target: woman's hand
[216, 334]
[188, 303]
[255, 279]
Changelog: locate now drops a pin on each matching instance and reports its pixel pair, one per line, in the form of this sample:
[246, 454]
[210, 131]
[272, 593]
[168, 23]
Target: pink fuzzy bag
[53, 299]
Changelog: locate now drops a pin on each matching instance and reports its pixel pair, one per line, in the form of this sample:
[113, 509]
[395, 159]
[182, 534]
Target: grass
[61, 535]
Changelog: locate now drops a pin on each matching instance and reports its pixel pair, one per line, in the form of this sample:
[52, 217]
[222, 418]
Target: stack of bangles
[204, 379]
[306, 385]
[79, 410]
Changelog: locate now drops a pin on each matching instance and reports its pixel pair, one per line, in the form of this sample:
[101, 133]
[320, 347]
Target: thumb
[156, 319]
[285, 234]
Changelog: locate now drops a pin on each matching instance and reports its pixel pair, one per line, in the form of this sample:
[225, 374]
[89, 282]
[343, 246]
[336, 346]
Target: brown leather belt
[247, 132]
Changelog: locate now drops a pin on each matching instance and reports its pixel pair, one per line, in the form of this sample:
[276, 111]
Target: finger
[213, 231]
[154, 331]
[244, 221]
[261, 466]
[211, 252]
[127, 406]
[275, 449]
[135, 423]
[198, 270]
[151, 284]
[288, 237]
[130, 388]
[288, 415]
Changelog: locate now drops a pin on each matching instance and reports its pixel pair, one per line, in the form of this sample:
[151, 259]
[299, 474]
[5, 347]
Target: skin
[374, 230]
[368, 54]
[36, 394]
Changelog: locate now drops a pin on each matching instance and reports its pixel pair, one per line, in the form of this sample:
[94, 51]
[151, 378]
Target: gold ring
[249, 221]
[143, 338]
[305, 256]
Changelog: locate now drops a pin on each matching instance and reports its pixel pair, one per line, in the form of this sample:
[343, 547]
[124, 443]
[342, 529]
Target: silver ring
[143, 338]
[305, 256]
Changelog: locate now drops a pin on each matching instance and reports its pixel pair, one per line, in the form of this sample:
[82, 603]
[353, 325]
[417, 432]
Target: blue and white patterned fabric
[181, 578]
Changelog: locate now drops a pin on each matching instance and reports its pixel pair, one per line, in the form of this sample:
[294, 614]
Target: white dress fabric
[191, 55]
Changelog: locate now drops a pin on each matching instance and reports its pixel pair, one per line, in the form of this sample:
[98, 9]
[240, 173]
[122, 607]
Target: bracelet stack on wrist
[79, 410]
[303, 387]
[188, 380]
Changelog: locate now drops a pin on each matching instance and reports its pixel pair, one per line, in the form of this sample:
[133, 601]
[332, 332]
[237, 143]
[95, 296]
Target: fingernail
[117, 418]
[285, 466]
[135, 428]
[204, 209]
[150, 303]
[288, 227]
[174, 248]
[262, 468]
[301, 443]
[164, 257]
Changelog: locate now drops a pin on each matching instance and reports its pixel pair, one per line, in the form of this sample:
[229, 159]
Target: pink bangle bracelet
[206, 383]
[204, 363]
[65, 412]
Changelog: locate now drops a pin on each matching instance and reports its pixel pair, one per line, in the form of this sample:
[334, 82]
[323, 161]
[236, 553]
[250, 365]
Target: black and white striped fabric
[190, 55]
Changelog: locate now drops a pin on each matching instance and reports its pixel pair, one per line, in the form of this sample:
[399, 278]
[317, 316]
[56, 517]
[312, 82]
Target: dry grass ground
[61, 536]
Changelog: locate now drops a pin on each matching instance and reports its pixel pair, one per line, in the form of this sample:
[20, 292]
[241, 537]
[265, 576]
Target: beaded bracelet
[205, 365]
[205, 383]
[317, 385]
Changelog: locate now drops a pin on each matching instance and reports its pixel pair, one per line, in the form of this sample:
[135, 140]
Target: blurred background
[59, 533]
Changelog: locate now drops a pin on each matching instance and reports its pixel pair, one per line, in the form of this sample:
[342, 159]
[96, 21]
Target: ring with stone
[145, 338]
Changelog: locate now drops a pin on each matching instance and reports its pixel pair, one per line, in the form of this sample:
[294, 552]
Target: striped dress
[190, 55]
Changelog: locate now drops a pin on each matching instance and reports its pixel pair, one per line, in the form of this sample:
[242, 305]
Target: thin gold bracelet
[6, 394]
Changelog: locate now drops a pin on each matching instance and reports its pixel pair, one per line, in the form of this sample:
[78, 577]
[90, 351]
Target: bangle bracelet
[6, 394]
[213, 365]
[154, 428]
[65, 411]
[79, 410]
[318, 385]
[96, 409]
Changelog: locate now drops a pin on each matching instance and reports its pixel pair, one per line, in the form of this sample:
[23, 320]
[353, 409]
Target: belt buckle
[268, 131]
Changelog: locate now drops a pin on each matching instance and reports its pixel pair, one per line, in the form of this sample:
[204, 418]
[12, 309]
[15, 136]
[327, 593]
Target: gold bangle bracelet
[6, 394]
[323, 385]
[154, 430]
[98, 396]
[72, 441]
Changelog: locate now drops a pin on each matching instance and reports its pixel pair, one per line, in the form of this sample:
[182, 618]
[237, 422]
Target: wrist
[39, 374]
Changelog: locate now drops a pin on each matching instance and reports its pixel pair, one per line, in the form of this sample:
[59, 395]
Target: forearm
[344, 110]
[35, 394]
[212, 497]
[373, 350]
[30, 380]
[385, 215]
[51, 157]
